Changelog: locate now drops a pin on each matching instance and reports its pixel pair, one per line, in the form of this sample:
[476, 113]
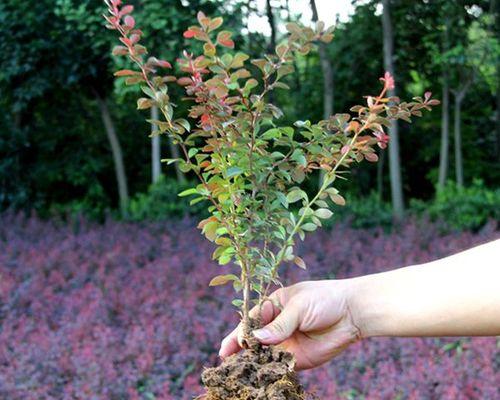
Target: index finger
[232, 343]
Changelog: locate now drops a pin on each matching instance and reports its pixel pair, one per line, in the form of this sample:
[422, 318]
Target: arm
[455, 296]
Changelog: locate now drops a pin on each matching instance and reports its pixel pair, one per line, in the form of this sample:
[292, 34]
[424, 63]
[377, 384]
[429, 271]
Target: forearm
[455, 296]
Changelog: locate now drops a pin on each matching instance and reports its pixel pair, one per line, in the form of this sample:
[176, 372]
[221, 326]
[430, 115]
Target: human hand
[314, 323]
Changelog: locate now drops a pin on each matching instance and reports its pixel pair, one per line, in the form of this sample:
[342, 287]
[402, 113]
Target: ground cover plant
[120, 311]
[252, 170]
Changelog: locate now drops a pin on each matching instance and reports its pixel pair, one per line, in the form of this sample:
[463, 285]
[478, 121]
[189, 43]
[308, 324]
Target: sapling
[250, 168]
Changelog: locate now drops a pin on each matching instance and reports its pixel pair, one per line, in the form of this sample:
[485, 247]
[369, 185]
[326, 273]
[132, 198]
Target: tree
[394, 160]
[42, 67]
[327, 68]
[445, 112]
[116, 149]
[155, 148]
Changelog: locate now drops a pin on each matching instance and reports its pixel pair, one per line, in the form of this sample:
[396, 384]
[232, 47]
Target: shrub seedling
[250, 168]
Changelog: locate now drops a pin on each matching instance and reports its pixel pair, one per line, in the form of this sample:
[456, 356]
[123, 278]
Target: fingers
[229, 344]
[282, 327]
[232, 343]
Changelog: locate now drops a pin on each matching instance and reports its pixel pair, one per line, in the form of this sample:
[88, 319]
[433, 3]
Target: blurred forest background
[72, 141]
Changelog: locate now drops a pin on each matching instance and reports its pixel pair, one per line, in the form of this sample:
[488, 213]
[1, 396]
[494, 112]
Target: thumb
[281, 328]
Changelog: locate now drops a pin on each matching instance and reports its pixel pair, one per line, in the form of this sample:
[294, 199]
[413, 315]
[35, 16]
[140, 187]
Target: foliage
[367, 212]
[462, 208]
[51, 52]
[120, 311]
[250, 168]
[161, 202]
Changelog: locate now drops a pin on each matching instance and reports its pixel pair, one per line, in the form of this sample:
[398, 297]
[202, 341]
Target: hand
[314, 323]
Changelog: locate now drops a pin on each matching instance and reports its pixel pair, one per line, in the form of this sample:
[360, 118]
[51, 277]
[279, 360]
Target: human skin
[316, 320]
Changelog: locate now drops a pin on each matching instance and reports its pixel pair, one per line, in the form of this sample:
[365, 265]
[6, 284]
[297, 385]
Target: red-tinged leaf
[189, 34]
[126, 41]
[345, 149]
[126, 72]
[224, 39]
[184, 81]
[202, 19]
[227, 43]
[120, 51]
[164, 64]
[202, 223]
[129, 22]
[153, 61]
[134, 38]
[215, 23]
[126, 10]
[337, 199]
[371, 157]
[427, 96]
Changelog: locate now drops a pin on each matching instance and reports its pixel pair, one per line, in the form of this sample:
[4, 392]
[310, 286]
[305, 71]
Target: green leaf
[188, 192]
[300, 262]
[184, 123]
[309, 227]
[210, 230]
[323, 213]
[237, 303]
[234, 171]
[296, 195]
[298, 156]
[271, 134]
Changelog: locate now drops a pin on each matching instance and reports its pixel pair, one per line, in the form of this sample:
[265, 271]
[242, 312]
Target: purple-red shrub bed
[123, 311]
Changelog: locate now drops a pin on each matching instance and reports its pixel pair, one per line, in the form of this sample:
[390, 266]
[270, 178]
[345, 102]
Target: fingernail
[262, 334]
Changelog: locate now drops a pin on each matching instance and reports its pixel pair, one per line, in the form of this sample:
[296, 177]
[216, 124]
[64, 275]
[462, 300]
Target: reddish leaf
[189, 34]
[224, 39]
[372, 157]
[120, 51]
[129, 22]
[126, 72]
[184, 81]
[134, 38]
[126, 10]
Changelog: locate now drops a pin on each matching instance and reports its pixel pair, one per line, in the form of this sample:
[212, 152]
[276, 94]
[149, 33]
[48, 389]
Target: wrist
[365, 310]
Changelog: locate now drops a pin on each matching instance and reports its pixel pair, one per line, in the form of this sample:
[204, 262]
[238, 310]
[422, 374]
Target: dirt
[257, 373]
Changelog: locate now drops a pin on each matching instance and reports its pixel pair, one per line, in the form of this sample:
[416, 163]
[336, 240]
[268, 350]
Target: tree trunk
[380, 176]
[445, 133]
[116, 149]
[394, 161]
[174, 151]
[459, 168]
[497, 117]
[445, 116]
[155, 148]
[326, 66]
[495, 11]
[272, 40]
[327, 69]
[272, 24]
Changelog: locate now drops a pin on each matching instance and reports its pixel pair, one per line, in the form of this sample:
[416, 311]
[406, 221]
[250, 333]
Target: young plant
[250, 168]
